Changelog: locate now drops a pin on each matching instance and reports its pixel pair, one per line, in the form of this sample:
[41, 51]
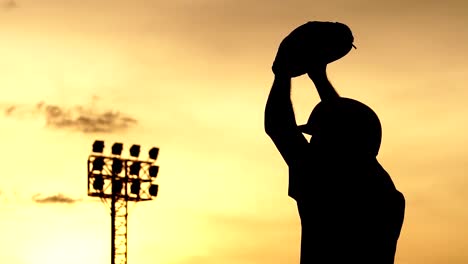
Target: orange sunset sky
[192, 77]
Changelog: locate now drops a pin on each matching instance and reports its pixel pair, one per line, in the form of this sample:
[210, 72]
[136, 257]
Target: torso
[347, 210]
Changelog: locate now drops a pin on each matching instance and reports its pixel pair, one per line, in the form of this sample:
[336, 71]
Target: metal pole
[98, 186]
[113, 200]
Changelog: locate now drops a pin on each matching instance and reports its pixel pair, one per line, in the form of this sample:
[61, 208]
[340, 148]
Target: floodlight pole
[119, 214]
[119, 197]
[113, 251]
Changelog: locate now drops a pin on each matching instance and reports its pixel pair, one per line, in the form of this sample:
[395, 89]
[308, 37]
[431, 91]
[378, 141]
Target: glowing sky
[192, 77]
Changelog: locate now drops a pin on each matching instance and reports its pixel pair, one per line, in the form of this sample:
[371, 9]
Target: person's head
[344, 125]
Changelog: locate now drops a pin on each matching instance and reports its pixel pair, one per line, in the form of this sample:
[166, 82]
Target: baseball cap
[347, 122]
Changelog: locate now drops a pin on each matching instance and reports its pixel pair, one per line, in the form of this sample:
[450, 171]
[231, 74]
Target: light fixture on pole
[135, 151]
[135, 168]
[98, 164]
[121, 180]
[135, 187]
[117, 149]
[116, 166]
[153, 153]
[153, 171]
[153, 190]
[98, 146]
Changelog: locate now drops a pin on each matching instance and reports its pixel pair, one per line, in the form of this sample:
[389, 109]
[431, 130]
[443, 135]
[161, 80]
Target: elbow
[269, 132]
[269, 128]
[272, 131]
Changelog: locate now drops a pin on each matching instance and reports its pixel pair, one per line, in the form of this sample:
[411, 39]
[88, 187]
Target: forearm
[324, 88]
[279, 113]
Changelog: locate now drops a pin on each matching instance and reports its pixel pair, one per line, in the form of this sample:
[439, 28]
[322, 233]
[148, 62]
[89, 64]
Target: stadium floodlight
[153, 153]
[135, 187]
[117, 149]
[116, 166]
[119, 180]
[98, 164]
[153, 190]
[135, 151]
[98, 183]
[135, 168]
[117, 186]
[98, 146]
[153, 171]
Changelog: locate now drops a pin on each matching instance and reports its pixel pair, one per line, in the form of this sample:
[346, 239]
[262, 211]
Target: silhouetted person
[350, 210]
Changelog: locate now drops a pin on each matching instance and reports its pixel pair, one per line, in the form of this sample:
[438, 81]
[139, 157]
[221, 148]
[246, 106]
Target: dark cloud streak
[81, 120]
[54, 199]
[78, 118]
[9, 5]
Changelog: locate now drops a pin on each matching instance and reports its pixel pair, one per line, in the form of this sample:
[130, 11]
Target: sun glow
[67, 247]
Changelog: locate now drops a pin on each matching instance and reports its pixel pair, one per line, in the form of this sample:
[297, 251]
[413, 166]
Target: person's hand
[310, 46]
[283, 65]
[289, 60]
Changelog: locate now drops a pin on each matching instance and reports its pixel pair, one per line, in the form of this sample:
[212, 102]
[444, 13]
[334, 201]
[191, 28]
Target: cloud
[54, 199]
[78, 118]
[9, 5]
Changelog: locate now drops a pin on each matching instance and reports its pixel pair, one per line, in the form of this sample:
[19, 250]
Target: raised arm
[292, 60]
[280, 122]
[318, 75]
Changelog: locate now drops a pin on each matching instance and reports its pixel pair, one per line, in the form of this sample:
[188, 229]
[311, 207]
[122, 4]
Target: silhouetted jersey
[350, 210]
